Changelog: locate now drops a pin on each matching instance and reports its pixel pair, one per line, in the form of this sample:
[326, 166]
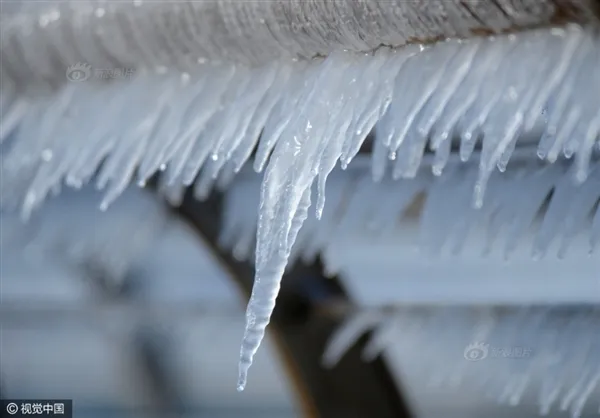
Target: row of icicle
[550, 353]
[304, 117]
[531, 198]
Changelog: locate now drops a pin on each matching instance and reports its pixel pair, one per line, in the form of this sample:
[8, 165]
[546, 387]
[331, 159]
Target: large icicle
[285, 194]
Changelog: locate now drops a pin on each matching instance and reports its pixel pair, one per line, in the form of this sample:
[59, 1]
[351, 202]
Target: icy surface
[41, 39]
[201, 128]
[533, 208]
[548, 353]
[101, 243]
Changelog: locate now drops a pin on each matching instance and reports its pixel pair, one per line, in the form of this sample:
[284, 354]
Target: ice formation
[532, 203]
[554, 350]
[41, 38]
[108, 243]
[305, 116]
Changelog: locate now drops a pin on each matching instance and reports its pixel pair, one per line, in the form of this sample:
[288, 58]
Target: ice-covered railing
[550, 354]
[41, 38]
[533, 207]
[108, 243]
[304, 117]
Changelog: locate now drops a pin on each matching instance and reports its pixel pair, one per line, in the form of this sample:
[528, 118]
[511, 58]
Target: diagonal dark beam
[148, 344]
[353, 389]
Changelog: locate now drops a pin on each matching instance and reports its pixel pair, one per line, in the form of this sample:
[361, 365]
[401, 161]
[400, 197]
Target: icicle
[579, 404]
[399, 195]
[528, 201]
[293, 167]
[325, 231]
[336, 134]
[505, 116]
[586, 146]
[457, 70]
[262, 300]
[263, 113]
[555, 215]
[170, 135]
[379, 160]
[347, 335]
[442, 155]
[9, 121]
[581, 207]
[207, 131]
[574, 37]
[574, 390]
[357, 206]
[382, 338]
[387, 126]
[595, 230]
[417, 82]
[558, 127]
[122, 178]
[434, 229]
[238, 117]
[376, 108]
[474, 118]
[549, 393]
[226, 176]
[281, 117]
[462, 99]
[409, 155]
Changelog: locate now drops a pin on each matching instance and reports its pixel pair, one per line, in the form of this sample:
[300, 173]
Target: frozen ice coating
[536, 208]
[346, 336]
[153, 36]
[551, 350]
[199, 128]
[112, 241]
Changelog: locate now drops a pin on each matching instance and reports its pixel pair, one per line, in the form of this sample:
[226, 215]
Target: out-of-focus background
[139, 311]
[166, 332]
